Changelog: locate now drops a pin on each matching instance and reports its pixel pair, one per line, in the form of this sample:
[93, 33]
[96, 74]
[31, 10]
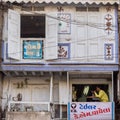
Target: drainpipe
[112, 88]
[51, 108]
[51, 88]
[68, 88]
[68, 96]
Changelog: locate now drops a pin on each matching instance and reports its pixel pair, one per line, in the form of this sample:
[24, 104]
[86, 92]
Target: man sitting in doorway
[99, 93]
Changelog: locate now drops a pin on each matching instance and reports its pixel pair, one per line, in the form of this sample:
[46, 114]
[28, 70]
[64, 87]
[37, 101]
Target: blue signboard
[32, 49]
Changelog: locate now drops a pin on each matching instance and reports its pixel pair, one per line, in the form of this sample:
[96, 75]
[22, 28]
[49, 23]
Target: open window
[32, 27]
[51, 41]
[13, 35]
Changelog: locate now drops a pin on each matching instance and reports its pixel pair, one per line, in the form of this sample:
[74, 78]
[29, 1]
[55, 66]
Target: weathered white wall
[36, 90]
[83, 49]
[28, 116]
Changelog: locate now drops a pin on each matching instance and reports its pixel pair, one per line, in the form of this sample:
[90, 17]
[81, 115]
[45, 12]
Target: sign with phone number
[92, 111]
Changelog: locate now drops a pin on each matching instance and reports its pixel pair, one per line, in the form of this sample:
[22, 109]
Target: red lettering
[92, 113]
[95, 112]
[75, 116]
[88, 114]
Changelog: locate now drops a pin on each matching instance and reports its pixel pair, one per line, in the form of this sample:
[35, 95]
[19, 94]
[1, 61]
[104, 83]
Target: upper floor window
[33, 26]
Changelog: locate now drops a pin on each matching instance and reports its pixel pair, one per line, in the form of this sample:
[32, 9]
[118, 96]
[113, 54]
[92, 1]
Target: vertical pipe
[113, 106]
[118, 87]
[51, 88]
[112, 87]
[68, 96]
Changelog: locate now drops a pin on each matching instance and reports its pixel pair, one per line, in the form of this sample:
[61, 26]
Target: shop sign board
[91, 111]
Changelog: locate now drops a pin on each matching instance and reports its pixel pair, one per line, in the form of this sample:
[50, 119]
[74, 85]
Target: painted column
[68, 96]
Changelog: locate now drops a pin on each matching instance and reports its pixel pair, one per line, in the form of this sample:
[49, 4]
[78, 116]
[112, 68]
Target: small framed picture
[108, 51]
[64, 50]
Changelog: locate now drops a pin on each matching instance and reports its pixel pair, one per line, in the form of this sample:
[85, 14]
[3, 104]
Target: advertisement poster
[64, 23]
[91, 111]
[32, 49]
[63, 50]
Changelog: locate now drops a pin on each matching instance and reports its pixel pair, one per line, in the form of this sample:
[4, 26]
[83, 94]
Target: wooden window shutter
[13, 35]
[51, 41]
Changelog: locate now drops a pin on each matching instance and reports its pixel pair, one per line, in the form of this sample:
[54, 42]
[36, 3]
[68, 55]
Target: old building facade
[50, 48]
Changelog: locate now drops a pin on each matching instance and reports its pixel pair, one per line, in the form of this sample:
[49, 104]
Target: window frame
[51, 35]
[33, 15]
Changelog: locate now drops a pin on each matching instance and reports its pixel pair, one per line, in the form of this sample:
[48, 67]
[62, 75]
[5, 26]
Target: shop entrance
[81, 92]
[82, 85]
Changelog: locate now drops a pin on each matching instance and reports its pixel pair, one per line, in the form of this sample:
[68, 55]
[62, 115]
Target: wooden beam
[41, 73]
[33, 73]
[17, 73]
[25, 73]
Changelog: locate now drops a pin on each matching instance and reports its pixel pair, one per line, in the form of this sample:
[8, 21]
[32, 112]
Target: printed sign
[91, 111]
[63, 50]
[64, 23]
[32, 49]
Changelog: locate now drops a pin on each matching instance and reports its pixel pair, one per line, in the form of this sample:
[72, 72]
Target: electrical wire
[75, 22]
[20, 52]
[71, 42]
[89, 57]
[78, 59]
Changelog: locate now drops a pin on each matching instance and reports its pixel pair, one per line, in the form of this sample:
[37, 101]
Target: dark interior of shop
[82, 91]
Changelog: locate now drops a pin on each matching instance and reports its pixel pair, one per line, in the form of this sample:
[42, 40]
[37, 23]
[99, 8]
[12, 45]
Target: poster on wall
[108, 51]
[32, 49]
[64, 25]
[91, 111]
[63, 50]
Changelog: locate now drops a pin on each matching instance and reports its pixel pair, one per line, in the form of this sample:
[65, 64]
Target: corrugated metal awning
[66, 1]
